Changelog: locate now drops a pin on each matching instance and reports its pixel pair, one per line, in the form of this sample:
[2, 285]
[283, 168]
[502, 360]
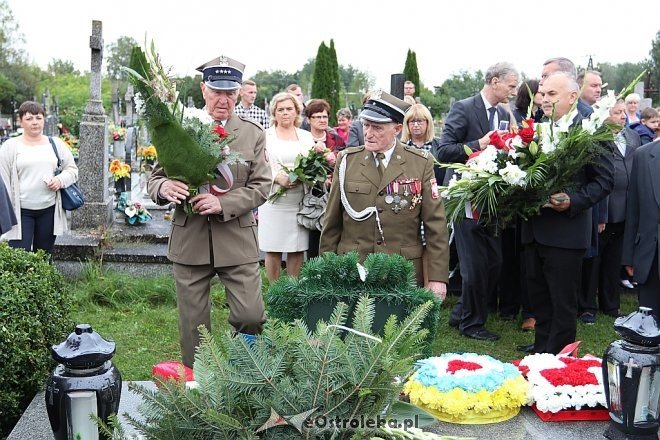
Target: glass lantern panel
[648, 396]
[82, 404]
[614, 384]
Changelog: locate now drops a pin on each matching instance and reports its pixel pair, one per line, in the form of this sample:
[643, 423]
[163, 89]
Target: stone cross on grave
[630, 364]
[93, 178]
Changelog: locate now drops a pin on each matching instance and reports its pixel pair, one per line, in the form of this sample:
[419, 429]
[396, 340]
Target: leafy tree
[61, 67]
[189, 86]
[459, 86]
[618, 76]
[654, 67]
[119, 54]
[410, 72]
[13, 62]
[270, 83]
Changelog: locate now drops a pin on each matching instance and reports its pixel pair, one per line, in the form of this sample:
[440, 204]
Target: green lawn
[140, 315]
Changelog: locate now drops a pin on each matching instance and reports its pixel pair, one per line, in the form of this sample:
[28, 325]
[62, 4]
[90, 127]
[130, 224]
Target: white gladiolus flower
[564, 123]
[590, 125]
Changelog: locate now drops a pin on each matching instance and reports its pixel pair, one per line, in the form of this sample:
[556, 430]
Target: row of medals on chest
[398, 191]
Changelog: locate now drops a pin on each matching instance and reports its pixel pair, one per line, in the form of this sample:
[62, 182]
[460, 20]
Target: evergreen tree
[326, 83]
[333, 99]
[410, 72]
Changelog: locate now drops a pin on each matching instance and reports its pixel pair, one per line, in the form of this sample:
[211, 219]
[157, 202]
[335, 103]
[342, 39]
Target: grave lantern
[631, 375]
[85, 382]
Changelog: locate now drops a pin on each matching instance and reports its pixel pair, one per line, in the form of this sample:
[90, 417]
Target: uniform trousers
[553, 280]
[242, 288]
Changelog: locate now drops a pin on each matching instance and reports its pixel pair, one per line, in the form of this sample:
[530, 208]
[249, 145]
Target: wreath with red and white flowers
[559, 382]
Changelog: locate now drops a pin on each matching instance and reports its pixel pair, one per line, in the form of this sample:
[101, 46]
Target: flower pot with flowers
[147, 154]
[135, 213]
[120, 172]
[117, 135]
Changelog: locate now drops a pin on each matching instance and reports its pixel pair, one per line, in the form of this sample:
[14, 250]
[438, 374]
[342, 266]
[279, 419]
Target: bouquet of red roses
[311, 169]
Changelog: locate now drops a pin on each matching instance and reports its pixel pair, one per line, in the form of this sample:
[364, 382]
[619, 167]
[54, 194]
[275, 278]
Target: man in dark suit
[610, 243]
[471, 122]
[640, 242]
[356, 132]
[556, 239]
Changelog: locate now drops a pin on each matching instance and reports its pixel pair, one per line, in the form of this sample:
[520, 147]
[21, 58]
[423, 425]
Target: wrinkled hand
[206, 204]
[174, 191]
[560, 202]
[438, 288]
[54, 184]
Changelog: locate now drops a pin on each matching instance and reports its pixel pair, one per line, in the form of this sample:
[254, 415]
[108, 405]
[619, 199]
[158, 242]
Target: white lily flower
[130, 211]
[564, 123]
[590, 125]
[513, 175]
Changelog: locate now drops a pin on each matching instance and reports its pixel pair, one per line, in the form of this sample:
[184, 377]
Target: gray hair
[633, 97]
[572, 82]
[500, 70]
[344, 113]
[565, 65]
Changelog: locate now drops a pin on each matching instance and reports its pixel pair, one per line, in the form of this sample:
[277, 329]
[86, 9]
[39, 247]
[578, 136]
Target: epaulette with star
[417, 151]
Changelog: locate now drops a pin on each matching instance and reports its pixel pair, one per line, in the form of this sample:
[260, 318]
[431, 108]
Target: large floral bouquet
[190, 147]
[311, 169]
[467, 388]
[559, 382]
[517, 172]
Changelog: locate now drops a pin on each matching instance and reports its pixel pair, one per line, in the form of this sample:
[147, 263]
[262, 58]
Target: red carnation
[456, 364]
[220, 131]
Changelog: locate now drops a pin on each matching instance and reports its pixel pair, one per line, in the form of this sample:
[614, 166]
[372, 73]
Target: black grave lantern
[631, 374]
[85, 382]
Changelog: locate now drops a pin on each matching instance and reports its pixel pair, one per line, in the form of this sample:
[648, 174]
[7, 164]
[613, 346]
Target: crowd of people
[565, 264]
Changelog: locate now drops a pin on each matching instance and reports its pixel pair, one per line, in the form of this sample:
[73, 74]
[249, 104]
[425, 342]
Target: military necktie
[381, 164]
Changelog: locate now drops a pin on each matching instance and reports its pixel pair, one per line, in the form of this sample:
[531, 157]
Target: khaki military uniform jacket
[364, 188]
[231, 235]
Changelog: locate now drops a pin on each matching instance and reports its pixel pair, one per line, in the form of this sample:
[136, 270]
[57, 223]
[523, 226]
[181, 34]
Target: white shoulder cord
[357, 216]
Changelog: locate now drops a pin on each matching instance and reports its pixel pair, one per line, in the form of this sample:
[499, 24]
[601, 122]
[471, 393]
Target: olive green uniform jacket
[233, 233]
[364, 188]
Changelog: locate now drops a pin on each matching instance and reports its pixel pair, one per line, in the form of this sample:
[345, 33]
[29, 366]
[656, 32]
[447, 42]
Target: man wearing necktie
[470, 123]
[382, 191]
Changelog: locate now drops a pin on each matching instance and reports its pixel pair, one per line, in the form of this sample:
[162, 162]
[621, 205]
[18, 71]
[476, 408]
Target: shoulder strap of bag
[52, 144]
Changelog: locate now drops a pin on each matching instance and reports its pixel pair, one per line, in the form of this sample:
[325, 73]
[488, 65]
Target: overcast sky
[371, 35]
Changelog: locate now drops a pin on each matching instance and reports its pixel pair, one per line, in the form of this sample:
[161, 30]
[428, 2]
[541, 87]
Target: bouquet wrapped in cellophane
[190, 147]
[515, 175]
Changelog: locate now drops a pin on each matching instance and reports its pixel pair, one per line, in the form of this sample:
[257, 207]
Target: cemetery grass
[140, 314]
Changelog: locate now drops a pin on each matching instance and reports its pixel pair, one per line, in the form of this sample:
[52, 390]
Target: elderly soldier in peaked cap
[382, 192]
[221, 238]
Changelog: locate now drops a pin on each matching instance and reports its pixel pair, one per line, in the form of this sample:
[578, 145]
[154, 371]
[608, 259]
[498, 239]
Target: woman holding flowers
[27, 165]
[279, 230]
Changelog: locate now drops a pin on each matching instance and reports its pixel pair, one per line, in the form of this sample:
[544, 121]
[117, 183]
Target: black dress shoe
[526, 348]
[481, 335]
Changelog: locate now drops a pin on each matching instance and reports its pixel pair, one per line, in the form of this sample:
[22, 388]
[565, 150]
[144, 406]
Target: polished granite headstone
[525, 426]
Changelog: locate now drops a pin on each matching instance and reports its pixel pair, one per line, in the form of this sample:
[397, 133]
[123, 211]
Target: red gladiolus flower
[527, 132]
[220, 131]
[455, 365]
[496, 141]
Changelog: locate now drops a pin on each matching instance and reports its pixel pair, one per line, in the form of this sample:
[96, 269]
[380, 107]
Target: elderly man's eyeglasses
[319, 117]
[417, 122]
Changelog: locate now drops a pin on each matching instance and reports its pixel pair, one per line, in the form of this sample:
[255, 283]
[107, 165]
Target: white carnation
[513, 175]
[191, 113]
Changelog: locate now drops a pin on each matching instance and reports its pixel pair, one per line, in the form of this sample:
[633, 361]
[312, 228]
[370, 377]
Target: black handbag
[72, 197]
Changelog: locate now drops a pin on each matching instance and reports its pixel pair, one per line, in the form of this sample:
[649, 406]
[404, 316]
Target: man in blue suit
[640, 242]
[470, 122]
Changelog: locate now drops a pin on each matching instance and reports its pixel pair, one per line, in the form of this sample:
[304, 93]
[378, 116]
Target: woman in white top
[279, 230]
[27, 166]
